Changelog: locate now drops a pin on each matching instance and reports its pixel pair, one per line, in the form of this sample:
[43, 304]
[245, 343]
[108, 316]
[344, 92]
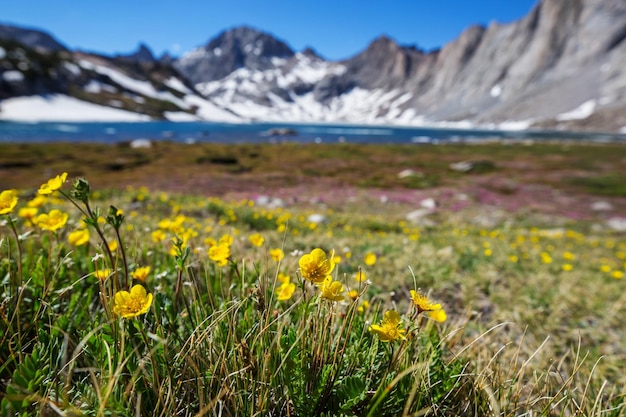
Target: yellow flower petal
[389, 329]
[315, 266]
[8, 201]
[438, 315]
[331, 290]
[53, 184]
[133, 303]
[285, 291]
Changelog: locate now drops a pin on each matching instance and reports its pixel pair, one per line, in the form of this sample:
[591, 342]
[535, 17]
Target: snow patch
[581, 112]
[207, 110]
[71, 67]
[278, 62]
[60, 107]
[496, 91]
[13, 76]
[176, 84]
[96, 87]
[144, 88]
[515, 124]
[3, 53]
[217, 51]
[180, 116]
[194, 55]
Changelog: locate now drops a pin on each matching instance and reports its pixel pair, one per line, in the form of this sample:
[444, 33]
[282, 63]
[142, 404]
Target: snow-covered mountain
[40, 84]
[563, 66]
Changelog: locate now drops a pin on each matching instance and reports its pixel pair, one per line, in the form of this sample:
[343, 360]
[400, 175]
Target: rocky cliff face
[549, 63]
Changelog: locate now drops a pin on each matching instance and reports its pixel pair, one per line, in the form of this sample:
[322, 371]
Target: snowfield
[58, 107]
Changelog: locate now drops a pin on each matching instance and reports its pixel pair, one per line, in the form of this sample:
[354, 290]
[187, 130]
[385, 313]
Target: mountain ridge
[560, 67]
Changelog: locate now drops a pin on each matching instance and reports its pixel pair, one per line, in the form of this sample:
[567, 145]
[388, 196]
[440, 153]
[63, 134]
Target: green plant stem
[124, 261]
[16, 283]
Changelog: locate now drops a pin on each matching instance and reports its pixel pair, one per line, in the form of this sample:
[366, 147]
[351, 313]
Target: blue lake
[192, 132]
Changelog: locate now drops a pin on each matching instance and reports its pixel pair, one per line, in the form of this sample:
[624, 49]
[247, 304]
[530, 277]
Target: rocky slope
[33, 64]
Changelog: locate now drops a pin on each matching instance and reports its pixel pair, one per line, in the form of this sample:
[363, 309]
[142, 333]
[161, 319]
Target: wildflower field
[207, 281]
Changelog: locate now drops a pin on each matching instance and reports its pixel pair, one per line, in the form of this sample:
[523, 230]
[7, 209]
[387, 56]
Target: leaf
[350, 391]
[26, 380]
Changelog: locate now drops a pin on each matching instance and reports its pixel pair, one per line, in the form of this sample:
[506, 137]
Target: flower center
[134, 304]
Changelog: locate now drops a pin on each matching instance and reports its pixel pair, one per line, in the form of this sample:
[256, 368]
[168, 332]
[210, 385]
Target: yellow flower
[605, 268]
[37, 201]
[52, 221]
[277, 254]
[140, 274]
[331, 290]
[157, 236]
[617, 274]
[165, 224]
[567, 267]
[8, 201]
[285, 291]
[28, 213]
[133, 303]
[364, 306]
[226, 240]
[102, 274]
[353, 294]
[370, 259]
[315, 267]
[53, 184]
[220, 254]
[113, 245]
[513, 258]
[423, 304]
[283, 278]
[78, 237]
[569, 256]
[546, 258]
[256, 239]
[360, 276]
[389, 329]
[488, 252]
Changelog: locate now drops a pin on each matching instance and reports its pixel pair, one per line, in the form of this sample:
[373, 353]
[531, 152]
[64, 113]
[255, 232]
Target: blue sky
[336, 29]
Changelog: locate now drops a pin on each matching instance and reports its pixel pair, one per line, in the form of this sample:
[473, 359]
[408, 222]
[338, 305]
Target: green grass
[534, 313]
[613, 185]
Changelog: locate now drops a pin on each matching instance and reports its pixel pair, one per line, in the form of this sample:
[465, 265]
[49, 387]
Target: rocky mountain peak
[311, 53]
[241, 47]
[143, 54]
[33, 38]
[384, 64]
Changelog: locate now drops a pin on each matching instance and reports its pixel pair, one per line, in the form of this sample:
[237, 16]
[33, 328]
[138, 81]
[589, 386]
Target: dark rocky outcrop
[242, 47]
[142, 54]
[33, 38]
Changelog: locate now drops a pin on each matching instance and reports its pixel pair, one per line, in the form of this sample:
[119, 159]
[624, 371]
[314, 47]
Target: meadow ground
[521, 247]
